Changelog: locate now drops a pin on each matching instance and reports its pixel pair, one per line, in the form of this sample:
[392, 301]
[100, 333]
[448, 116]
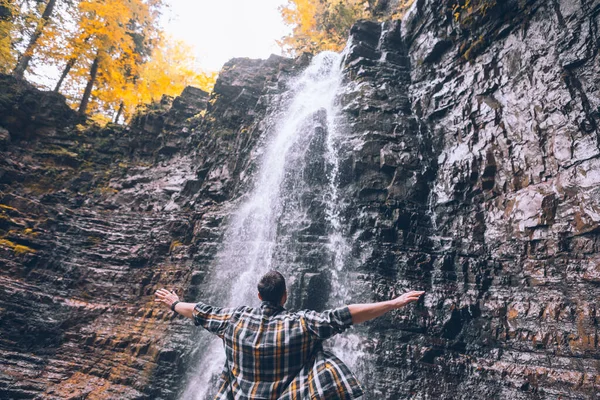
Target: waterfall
[290, 220]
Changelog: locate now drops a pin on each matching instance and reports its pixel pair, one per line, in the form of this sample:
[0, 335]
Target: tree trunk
[65, 72]
[70, 64]
[119, 113]
[28, 54]
[90, 85]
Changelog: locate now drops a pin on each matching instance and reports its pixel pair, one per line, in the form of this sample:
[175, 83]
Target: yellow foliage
[116, 33]
[169, 70]
[175, 244]
[7, 54]
[320, 25]
[17, 248]
[100, 119]
[108, 25]
[136, 63]
[4, 206]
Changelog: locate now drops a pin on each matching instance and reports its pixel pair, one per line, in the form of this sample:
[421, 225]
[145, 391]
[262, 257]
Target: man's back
[274, 354]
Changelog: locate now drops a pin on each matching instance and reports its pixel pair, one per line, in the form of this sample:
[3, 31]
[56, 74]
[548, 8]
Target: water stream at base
[275, 226]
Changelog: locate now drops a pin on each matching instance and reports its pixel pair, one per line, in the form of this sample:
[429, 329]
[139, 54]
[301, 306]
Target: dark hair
[272, 287]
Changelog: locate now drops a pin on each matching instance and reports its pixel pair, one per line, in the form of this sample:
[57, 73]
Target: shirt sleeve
[328, 323]
[213, 319]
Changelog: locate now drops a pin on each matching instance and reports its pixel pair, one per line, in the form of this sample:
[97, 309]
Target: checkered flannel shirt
[274, 354]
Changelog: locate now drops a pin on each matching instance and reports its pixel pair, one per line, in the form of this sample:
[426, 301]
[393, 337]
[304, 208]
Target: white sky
[219, 30]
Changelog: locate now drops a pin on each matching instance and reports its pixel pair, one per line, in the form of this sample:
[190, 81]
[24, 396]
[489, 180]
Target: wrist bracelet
[174, 304]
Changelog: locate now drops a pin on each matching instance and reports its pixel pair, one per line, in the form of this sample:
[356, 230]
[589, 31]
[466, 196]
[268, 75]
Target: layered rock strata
[469, 167]
[484, 192]
[94, 220]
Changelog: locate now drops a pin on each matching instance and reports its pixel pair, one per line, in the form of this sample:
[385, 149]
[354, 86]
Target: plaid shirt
[274, 354]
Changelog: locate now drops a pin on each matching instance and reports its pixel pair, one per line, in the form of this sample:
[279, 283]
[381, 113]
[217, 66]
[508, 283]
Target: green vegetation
[469, 12]
[174, 244]
[9, 208]
[474, 49]
[17, 248]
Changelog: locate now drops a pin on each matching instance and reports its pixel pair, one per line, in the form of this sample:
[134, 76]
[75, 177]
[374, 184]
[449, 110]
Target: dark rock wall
[516, 196]
[469, 168]
[484, 192]
[78, 263]
[93, 221]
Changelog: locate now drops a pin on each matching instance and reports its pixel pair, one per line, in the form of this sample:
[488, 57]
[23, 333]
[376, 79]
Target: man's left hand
[166, 297]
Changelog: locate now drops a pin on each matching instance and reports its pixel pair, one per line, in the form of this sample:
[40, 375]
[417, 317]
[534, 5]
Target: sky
[219, 30]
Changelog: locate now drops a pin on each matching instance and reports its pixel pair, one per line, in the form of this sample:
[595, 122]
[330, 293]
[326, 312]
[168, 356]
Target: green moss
[17, 248]
[474, 49]
[94, 240]
[62, 152]
[470, 13]
[174, 244]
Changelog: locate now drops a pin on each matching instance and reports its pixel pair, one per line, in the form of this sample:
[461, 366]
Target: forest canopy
[319, 25]
[110, 56]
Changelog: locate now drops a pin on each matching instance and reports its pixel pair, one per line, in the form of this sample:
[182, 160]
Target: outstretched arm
[213, 319]
[365, 312]
[168, 298]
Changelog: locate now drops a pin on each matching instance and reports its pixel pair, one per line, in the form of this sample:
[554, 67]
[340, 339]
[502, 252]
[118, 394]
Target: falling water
[268, 230]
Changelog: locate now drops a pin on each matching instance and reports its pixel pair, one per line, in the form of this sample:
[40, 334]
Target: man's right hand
[165, 297]
[407, 298]
[365, 312]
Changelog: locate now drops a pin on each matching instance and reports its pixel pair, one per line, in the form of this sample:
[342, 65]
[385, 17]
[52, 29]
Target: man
[275, 354]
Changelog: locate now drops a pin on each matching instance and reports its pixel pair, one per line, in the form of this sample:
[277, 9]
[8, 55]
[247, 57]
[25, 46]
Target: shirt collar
[269, 308]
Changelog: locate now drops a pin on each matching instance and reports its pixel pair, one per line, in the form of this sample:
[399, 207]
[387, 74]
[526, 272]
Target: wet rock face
[485, 194]
[26, 115]
[93, 222]
[469, 167]
[77, 266]
[171, 114]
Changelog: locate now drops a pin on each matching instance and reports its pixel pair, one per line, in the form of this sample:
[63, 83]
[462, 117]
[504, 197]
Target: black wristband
[174, 304]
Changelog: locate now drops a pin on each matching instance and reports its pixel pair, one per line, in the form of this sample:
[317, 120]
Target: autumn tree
[153, 65]
[76, 50]
[111, 26]
[111, 55]
[319, 25]
[7, 12]
[25, 58]
[170, 68]
[19, 21]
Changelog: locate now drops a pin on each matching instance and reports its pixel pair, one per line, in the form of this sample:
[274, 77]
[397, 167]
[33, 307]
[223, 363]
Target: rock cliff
[468, 166]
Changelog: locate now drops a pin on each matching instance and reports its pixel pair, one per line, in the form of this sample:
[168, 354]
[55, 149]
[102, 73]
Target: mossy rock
[61, 156]
[17, 248]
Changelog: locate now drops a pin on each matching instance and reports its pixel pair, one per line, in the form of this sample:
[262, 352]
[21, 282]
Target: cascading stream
[285, 210]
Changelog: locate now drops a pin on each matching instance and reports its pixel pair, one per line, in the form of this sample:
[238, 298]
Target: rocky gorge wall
[469, 167]
[473, 136]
